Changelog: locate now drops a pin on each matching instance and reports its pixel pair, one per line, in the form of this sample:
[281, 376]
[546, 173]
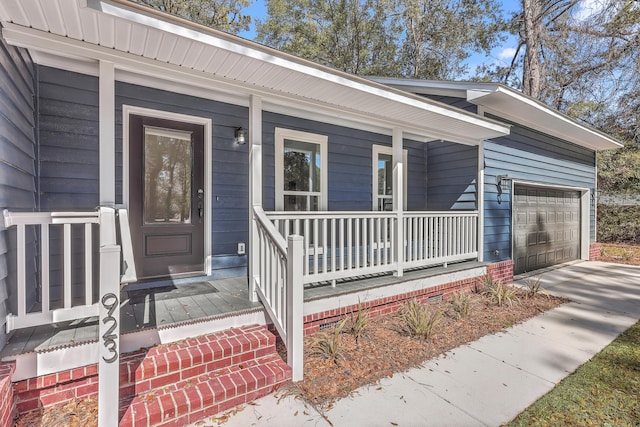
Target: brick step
[170, 363]
[195, 398]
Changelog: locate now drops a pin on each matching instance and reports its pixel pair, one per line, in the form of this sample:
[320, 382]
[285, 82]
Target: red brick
[26, 406]
[164, 380]
[154, 412]
[57, 397]
[203, 413]
[87, 390]
[194, 398]
[168, 406]
[64, 376]
[206, 393]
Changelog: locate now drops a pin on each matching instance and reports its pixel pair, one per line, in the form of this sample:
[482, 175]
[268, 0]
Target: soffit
[119, 30]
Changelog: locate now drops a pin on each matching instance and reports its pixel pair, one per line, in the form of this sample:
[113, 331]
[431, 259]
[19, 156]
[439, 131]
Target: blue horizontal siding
[349, 171]
[230, 162]
[18, 185]
[533, 157]
[451, 176]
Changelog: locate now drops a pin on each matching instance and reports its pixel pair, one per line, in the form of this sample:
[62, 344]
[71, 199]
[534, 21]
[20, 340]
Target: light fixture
[241, 136]
[500, 181]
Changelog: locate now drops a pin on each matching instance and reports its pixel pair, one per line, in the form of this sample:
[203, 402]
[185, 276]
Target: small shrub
[462, 304]
[359, 322]
[486, 283]
[327, 344]
[502, 294]
[417, 321]
[534, 287]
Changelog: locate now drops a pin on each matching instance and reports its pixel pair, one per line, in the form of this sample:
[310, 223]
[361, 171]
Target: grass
[603, 392]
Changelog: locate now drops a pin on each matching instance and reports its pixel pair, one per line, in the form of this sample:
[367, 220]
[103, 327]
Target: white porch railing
[340, 245]
[278, 283]
[76, 302]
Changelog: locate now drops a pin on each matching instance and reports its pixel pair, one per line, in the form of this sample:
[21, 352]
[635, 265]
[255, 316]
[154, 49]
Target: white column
[295, 303]
[109, 322]
[107, 127]
[480, 201]
[255, 187]
[398, 197]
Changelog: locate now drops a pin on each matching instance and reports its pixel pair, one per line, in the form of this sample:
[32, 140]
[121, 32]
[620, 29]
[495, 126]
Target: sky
[501, 54]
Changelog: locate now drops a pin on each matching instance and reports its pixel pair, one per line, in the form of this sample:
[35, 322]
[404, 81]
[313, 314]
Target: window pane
[167, 176]
[301, 166]
[300, 203]
[385, 175]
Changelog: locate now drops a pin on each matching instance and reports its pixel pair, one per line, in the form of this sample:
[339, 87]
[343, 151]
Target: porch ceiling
[146, 42]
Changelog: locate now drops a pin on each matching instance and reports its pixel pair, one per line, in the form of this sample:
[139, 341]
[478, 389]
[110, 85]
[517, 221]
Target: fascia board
[264, 54]
[522, 109]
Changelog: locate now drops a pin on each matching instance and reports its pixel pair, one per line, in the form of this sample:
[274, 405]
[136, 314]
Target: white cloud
[506, 53]
[586, 8]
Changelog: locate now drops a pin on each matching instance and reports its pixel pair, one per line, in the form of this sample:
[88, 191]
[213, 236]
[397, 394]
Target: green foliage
[619, 224]
[501, 294]
[354, 36]
[328, 344]
[602, 392]
[224, 15]
[462, 304]
[417, 320]
[413, 38]
[534, 287]
[359, 323]
[619, 171]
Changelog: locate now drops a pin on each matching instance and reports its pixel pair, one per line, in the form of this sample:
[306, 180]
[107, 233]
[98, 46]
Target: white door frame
[128, 110]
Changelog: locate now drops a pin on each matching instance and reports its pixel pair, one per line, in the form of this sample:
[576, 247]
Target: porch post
[398, 198]
[255, 188]
[107, 141]
[480, 202]
[109, 321]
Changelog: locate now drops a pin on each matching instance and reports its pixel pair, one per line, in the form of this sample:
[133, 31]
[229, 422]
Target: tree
[573, 54]
[412, 38]
[351, 35]
[440, 35]
[224, 15]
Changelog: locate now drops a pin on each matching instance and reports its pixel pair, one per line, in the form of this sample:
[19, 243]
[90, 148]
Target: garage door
[546, 228]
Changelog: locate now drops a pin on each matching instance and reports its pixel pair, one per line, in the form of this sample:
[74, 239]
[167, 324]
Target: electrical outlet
[241, 248]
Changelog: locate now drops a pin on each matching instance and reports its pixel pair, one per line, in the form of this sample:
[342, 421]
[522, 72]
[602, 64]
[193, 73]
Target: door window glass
[168, 162]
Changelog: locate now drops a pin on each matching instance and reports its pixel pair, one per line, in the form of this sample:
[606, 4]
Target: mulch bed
[383, 350]
[386, 349]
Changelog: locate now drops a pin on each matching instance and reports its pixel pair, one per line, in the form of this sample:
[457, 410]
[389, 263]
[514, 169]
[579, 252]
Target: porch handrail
[278, 283]
[75, 305]
[341, 245]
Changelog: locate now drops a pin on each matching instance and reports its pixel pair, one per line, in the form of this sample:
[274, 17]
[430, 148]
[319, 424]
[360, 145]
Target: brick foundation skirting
[502, 271]
[7, 408]
[594, 251]
[313, 322]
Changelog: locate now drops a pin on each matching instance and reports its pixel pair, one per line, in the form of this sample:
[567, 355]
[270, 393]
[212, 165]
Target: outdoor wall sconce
[500, 181]
[241, 136]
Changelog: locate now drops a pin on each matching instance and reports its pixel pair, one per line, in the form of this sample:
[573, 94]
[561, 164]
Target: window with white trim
[301, 170]
[383, 178]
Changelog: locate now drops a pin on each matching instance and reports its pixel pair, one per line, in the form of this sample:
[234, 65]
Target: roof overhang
[155, 46]
[509, 104]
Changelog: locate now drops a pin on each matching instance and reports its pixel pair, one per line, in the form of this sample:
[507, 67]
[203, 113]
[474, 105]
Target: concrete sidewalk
[489, 381]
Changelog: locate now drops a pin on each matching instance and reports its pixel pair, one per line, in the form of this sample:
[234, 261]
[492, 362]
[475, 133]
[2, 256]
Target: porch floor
[169, 303]
[147, 306]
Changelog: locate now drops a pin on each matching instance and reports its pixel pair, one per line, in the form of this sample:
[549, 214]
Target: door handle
[200, 210]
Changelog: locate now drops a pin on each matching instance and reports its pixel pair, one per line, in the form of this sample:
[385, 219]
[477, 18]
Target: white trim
[312, 138]
[467, 128]
[255, 190]
[376, 151]
[107, 148]
[127, 110]
[585, 213]
[480, 202]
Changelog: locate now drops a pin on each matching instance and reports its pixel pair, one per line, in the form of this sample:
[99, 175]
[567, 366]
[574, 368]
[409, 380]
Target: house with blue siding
[174, 199]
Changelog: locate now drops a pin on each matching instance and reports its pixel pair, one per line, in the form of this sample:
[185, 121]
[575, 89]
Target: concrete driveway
[490, 381]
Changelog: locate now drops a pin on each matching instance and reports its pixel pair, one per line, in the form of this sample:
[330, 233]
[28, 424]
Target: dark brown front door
[166, 196]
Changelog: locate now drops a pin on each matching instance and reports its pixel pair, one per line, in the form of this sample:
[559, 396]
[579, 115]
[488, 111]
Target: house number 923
[110, 302]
